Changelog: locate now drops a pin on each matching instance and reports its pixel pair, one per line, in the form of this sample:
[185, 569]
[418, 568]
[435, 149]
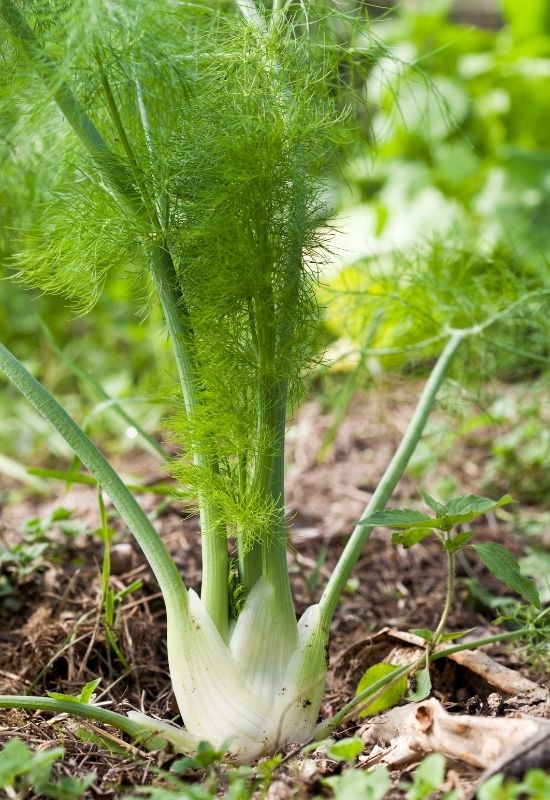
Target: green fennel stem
[391, 477]
[98, 714]
[215, 560]
[275, 565]
[165, 571]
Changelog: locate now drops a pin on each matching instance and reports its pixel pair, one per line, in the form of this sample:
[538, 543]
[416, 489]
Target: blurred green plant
[535, 785]
[26, 773]
[455, 206]
[38, 544]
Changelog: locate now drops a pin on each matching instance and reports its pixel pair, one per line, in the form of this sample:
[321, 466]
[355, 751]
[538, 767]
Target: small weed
[39, 543]
[427, 779]
[534, 786]
[24, 773]
[354, 783]
[384, 685]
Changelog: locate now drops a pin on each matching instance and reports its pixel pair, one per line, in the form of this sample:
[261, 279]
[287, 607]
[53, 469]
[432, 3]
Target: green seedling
[23, 771]
[86, 695]
[39, 542]
[427, 779]
[354, 783]
[535, 785]
[410, 527]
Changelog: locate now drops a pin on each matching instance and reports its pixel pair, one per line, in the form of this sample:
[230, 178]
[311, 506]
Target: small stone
[494, 704]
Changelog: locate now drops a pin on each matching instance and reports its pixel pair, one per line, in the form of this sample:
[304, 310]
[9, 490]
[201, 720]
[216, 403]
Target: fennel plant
[188, 143]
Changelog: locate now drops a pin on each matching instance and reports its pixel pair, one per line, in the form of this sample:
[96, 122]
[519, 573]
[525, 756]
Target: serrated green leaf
[502, 564]
[346, 749]
[438, 508]
[390, 696]
[410, 537]
[423, 633]
[456, 542]
[467, 508]
[397, 519]
[423, 685]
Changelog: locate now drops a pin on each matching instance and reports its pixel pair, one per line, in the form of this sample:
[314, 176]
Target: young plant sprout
[189, 143]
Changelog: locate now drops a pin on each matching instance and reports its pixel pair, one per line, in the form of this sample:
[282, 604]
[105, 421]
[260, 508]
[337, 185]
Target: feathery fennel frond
[445, 285]
[211, 140]
[244, 231]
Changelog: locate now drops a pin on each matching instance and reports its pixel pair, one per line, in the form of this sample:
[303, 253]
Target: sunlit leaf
[346, 749]
[390, 696]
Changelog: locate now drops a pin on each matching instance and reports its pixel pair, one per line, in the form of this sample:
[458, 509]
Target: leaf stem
[166, 573]
[69, 477]
[215, 560]
[391, 477]
[250, 13]
[157, 740]
[449, 598]
[274, 552]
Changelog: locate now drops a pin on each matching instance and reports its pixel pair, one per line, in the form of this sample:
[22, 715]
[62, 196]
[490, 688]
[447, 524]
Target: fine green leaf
[410, 537]
[423, 685]
[500, 561]
[346, 749]
[389, 697]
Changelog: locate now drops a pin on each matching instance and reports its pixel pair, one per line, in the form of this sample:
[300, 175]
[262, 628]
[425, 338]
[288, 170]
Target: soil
[52, 636]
